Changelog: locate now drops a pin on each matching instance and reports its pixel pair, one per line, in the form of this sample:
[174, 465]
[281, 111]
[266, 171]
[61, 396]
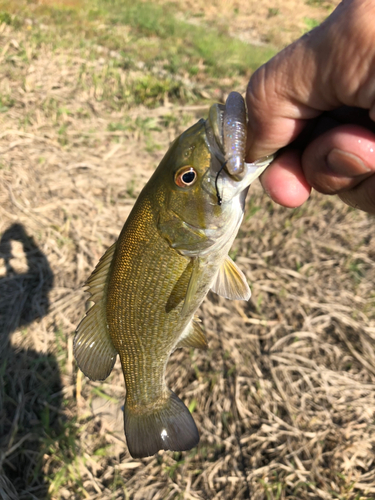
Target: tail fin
[170, 427]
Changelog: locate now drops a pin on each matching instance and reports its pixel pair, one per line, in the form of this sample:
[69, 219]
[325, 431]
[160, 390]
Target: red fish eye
[185, 177]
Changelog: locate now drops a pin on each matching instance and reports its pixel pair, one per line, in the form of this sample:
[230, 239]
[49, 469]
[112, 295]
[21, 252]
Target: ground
[91, 96]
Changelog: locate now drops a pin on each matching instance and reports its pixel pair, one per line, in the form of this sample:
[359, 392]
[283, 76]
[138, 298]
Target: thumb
[277, 100]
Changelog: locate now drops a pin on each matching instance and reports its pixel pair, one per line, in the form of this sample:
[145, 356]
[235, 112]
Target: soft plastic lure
[234, 133]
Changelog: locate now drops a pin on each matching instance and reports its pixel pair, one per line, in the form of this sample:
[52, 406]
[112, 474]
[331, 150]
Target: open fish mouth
[226, 133]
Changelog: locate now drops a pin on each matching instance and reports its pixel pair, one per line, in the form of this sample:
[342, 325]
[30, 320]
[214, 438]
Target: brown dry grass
[260, 22]
[285, 396]
[61, 3]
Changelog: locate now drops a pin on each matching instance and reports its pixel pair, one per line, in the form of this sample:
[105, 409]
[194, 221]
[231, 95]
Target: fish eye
[185, 177]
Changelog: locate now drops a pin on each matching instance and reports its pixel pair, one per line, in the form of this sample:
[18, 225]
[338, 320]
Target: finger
[361, 196]
[284, 180]
[328, 67]
[339, 159]
[275, 119]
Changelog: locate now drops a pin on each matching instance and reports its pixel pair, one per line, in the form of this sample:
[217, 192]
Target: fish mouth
[227, 134]
[226, 137]
[214, 135]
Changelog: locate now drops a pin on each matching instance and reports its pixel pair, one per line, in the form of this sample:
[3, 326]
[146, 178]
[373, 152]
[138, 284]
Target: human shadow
[30, 384]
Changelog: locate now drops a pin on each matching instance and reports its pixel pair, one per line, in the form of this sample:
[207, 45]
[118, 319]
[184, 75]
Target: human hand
[299, 96]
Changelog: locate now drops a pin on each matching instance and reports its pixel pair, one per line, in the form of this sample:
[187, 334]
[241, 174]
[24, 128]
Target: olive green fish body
[146, 288]
[146, 318]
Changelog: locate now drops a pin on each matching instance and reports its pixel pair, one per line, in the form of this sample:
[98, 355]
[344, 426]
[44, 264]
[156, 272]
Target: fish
[148, 285]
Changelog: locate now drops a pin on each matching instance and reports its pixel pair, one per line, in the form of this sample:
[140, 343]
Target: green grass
[179, 44]
[319, 3]
[164, 56]
[311, 23]
[64, 448]
[274, 490]
[6, 102]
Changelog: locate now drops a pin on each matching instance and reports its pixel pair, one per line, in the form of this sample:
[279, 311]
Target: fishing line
[219, 198]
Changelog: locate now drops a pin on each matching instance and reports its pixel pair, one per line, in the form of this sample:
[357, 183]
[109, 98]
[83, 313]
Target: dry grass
[278, 22]
[285, 396]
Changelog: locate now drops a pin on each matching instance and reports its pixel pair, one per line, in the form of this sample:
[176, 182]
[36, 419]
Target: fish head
[201, 200]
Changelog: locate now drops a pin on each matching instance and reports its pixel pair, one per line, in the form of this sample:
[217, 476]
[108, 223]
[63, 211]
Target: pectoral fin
[93, 347]
[193, 336]
[192, 286]
[230, 282]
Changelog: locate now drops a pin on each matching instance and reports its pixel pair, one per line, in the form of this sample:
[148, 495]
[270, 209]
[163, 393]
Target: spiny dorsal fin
[93, 347]
[193, 336]
[230, 282]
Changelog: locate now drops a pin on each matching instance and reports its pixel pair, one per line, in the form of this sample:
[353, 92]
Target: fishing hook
[219, 198]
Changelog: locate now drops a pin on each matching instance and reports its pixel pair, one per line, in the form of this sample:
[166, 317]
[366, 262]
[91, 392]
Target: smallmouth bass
[171, 251]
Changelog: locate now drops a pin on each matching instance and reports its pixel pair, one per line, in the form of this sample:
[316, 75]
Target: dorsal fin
[193, 336]
[230, 282]
[93, 347]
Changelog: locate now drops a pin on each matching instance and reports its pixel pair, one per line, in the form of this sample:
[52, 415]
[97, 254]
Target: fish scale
[164, 266]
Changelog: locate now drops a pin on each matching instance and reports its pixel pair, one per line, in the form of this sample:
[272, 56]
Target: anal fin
[193, 336]
[93, 347]
[230, 282]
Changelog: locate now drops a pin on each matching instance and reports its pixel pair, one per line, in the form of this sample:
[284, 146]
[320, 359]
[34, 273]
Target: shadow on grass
[30, 385]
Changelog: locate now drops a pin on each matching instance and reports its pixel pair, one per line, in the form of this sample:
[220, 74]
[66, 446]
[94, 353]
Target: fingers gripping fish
[171, 251]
